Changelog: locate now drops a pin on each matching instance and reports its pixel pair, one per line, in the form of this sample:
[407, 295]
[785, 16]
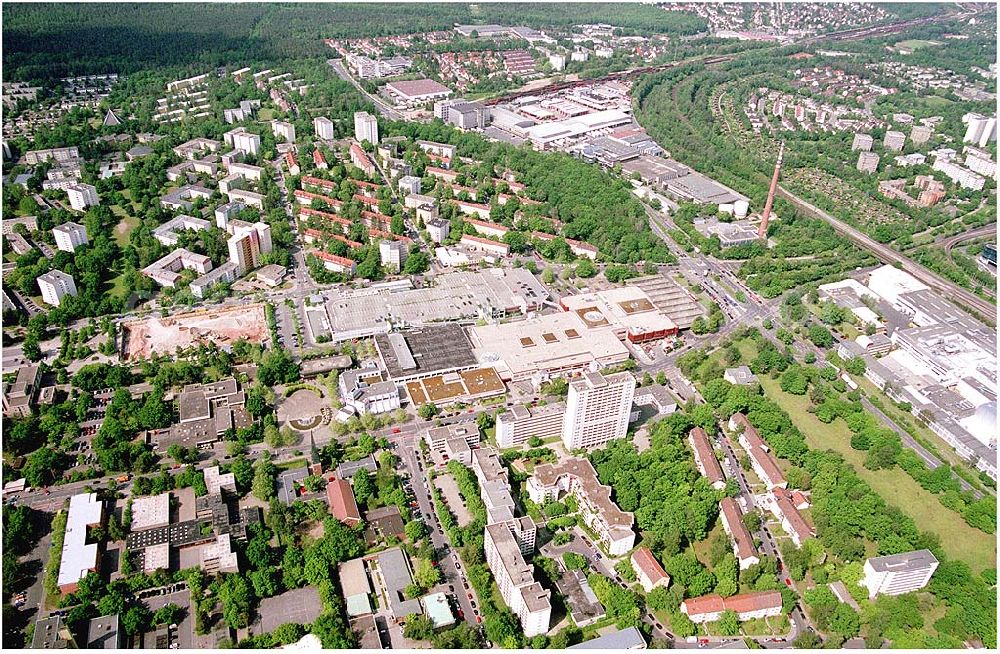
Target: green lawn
[897, 488]
[125, 227]
[916, 44]
[702, 547]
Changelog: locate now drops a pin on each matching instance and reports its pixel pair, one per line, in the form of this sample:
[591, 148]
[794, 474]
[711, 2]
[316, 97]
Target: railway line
[986, 310]
[622, 74]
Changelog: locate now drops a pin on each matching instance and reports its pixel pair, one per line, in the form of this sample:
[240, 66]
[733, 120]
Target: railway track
[622, 74]
[985, 310]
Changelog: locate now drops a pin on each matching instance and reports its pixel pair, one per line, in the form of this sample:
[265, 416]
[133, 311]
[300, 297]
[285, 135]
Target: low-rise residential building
[763, 462]
[704, 458]
[732, 522]
[648, 570]
[577, 477]
[783, 506]
[166, 271]
[749, 606]
[899, 573]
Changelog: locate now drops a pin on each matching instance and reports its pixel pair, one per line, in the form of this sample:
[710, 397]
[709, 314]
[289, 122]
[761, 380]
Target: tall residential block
[515, 579]
[920, 134]
[862, 142]
[82, 196]
[597, 409]
[323, 127]
[55, 285]
[283, 130]
[69, 236]
[393, 254]
[894, 140]
[365, 127]
[868, 162]
[899, 573]
[981, 129]
[247, 244]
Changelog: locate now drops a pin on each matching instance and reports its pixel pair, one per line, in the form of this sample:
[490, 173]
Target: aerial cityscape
[438, 326]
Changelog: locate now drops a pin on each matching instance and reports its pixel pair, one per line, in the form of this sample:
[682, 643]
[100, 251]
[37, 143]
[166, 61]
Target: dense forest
[45, 41]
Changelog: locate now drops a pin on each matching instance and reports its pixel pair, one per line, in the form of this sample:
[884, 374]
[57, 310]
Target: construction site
[154, 336]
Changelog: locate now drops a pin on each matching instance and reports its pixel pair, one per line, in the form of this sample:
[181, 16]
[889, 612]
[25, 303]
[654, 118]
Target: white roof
[79, 558]
[149, 512]
[890, 282]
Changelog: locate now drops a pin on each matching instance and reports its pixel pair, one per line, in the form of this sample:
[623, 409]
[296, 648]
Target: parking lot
[453, 498]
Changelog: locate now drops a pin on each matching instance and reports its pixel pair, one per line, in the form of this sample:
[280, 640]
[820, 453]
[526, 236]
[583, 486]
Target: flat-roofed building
[19, 396]
[438, 437]
[55, 285]
[515, 579]
[79, 557]
[367, 391]
[656, 396]
[150, 512]
[166, 271]
[355, 587]
[323, 127]
[581, 602]
[704, 458]
[69, 236]
[520, 423]
[648, 570]
[104, 633]
[749, 606]
[411, 93]
[623, 639]
[597, 409]
[627, 311]
[545, 346]
[577, 477]
[33, 157]
[394, 570]
[899, 573]
[862, 142]
[365, 127]
[169, 232]
[739, 535]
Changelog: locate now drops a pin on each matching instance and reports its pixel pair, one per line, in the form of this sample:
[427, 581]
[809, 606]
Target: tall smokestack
[762, 231]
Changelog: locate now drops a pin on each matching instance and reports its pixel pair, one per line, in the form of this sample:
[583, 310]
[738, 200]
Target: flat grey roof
[630, 638]
[904, 561]
[427, 350]
[395, 570]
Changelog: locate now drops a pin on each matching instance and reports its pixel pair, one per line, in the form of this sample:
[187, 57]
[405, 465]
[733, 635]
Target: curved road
[986, 310]
[985, 230]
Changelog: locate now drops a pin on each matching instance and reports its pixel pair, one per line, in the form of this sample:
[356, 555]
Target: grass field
[916, 44]
[958, 539]
[125, 227]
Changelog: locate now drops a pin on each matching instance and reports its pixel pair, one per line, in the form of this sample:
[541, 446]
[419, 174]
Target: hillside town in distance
[471, 326]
